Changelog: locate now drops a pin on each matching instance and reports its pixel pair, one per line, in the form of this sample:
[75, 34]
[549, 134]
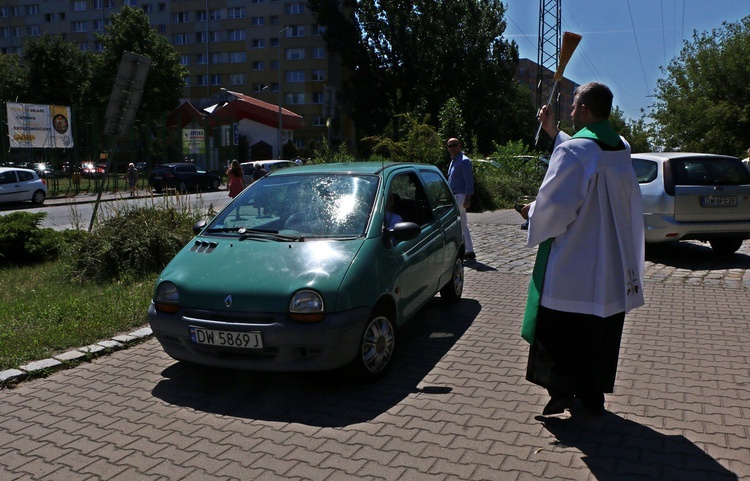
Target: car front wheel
[215, 184]
[725, 247]
[182, 187]
[377, 345]
[454, 288]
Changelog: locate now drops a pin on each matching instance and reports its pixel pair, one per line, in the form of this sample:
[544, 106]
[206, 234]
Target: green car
[312, 268]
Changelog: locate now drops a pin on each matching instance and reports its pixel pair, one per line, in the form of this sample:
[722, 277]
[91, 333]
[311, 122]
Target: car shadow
[612, 446]
[326, 399]
[695, 256]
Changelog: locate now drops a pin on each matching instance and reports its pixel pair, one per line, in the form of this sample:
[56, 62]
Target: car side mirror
[198, 226]
[404, 231]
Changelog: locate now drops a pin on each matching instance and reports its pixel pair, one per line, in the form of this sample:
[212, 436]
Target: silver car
[694, 196]
[18, 185]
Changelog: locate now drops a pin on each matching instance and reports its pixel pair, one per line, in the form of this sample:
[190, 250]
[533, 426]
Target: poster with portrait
[39, 126]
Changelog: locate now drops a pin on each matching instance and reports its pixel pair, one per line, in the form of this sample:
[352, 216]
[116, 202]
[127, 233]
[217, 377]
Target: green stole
[601, 131]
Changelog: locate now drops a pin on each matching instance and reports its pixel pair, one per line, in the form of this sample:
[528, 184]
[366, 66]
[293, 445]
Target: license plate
[241, 340]
[718, 201]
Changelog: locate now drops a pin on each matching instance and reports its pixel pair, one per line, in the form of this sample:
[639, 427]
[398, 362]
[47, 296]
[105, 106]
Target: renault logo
[228, 301]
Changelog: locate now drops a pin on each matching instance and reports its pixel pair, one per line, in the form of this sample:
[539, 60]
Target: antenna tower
[549, 51]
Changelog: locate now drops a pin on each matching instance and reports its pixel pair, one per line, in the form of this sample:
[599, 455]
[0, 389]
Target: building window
[274, 64]
[78, 6]
[256, 21]
[61, 15]
[294, 54]
[295, 8]
[200, 16]
[49, 17]
[274, 87]
[317, 30]
[179, 39]
[258, 88]
[318, 52]
[184, 59]
[317, 97]
[318, 121]
[3, 13]
[217, 58]
[162, 7]
[295, 31]
[32, 9]
[78, 26]
[98, 47]
[83, 47]
[216, 79]
[15, 11]
[236, 79]
[201, 80]
[294, 98]
[98, 25]
[274, 42]
[186, 81]
[214, 37]
[318, 75]
[200, 37]
[181, 17]
[258, 65]
[237, 57]
[33, 30]
[215, 14]
[257, 1]
[236, 12]
[147, 8]
[201, 59]
[162, 28]
[274, 20]
[295, 76]
[259, 43]
[238, 34]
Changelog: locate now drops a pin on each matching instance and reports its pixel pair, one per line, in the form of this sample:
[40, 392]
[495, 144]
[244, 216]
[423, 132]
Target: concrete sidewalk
[455, 405]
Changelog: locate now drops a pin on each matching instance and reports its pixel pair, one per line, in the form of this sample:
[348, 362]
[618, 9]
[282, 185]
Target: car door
[10, 187]
[419, 259]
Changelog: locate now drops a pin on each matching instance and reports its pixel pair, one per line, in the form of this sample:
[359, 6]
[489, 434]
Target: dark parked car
[694, 196]
[304, 271]
[183, 176]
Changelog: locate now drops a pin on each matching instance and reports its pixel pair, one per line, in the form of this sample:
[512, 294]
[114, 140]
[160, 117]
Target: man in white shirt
[589, 211]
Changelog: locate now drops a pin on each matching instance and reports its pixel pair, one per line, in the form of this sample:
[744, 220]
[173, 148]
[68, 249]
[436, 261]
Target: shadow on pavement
[694, 256]
[615, 448]
[327, 399]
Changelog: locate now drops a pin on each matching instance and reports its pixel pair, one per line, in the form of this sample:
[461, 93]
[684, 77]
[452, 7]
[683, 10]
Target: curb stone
[44, 367]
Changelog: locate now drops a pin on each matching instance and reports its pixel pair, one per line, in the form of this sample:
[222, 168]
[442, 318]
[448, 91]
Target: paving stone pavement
[454, 407]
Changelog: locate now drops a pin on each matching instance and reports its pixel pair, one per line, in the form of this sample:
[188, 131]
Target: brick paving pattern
[454, 407]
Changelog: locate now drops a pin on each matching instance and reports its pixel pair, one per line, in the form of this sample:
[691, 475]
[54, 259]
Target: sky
[625, 42]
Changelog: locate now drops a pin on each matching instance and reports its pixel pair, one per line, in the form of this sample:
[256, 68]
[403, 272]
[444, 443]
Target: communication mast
[549, 51]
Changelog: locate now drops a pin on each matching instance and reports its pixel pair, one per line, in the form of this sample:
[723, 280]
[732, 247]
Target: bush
[133, 242]
[23, 242]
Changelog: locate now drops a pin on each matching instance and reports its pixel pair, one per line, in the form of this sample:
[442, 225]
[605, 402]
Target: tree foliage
[411, 56]
[703, 103]
[12, 78]
[636, 132]
[58, 72]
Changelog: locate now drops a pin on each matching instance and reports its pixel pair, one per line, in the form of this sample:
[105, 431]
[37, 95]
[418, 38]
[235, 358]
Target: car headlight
[167, 299]
[306, 306]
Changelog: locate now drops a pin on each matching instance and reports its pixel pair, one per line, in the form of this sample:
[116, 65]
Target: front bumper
[287, 345]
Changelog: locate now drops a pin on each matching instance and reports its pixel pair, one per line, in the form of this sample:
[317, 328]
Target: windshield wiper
[268, 234]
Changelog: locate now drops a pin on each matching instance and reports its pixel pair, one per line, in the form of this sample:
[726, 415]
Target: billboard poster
[193, 141]
[39, 126]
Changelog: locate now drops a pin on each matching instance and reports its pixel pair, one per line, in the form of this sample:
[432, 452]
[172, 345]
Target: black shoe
[558, 405]
[525, 226]
[469, 256]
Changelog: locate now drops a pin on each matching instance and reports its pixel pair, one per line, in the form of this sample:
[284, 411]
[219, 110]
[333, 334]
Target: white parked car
[18, 185]
[268, 165]
[694, 196]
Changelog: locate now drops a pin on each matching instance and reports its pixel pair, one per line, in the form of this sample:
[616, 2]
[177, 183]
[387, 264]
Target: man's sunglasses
[452, 145]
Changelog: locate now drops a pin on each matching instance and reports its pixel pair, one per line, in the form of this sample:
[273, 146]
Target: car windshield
[308, 205]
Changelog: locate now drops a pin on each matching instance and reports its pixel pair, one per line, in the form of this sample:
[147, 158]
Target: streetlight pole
[278, 48]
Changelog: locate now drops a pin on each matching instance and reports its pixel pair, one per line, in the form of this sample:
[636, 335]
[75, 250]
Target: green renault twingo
[312, 268]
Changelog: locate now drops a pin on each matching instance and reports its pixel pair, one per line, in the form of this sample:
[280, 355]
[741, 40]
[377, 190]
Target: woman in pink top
[235, 183]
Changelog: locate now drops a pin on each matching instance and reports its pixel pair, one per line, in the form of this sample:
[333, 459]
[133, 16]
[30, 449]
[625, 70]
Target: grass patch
[45, 314]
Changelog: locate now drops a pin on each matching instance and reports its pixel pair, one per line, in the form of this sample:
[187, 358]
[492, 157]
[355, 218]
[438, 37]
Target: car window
[8, 177]
[311, 205]
[24, 176]
[709, 171]
[410, 200]
[645, 170]
[438, 191]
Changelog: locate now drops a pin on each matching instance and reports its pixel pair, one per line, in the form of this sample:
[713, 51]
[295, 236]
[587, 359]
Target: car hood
[259, 275]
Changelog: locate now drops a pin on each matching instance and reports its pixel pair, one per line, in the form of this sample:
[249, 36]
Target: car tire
[215, 185]
[38, 197]
[725, 247]
[376, 346]
[451, 292]
[182, 188]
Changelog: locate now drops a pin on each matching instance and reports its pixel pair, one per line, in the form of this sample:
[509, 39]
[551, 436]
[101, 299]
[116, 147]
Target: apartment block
[272, 50]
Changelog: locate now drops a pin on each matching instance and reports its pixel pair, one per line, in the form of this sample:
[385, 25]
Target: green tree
[12, 78]
[410, 57]
[703, 103]
[57, 71]
[636, 132]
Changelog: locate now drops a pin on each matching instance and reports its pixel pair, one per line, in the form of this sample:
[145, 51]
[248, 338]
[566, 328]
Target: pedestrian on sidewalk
[461, 181]
[235, 180]
[132, 176]
[588, 220]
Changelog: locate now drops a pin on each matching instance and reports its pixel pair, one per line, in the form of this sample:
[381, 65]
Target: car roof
[352, 168]
[4, 169]
[678, 155]
[267, 162]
